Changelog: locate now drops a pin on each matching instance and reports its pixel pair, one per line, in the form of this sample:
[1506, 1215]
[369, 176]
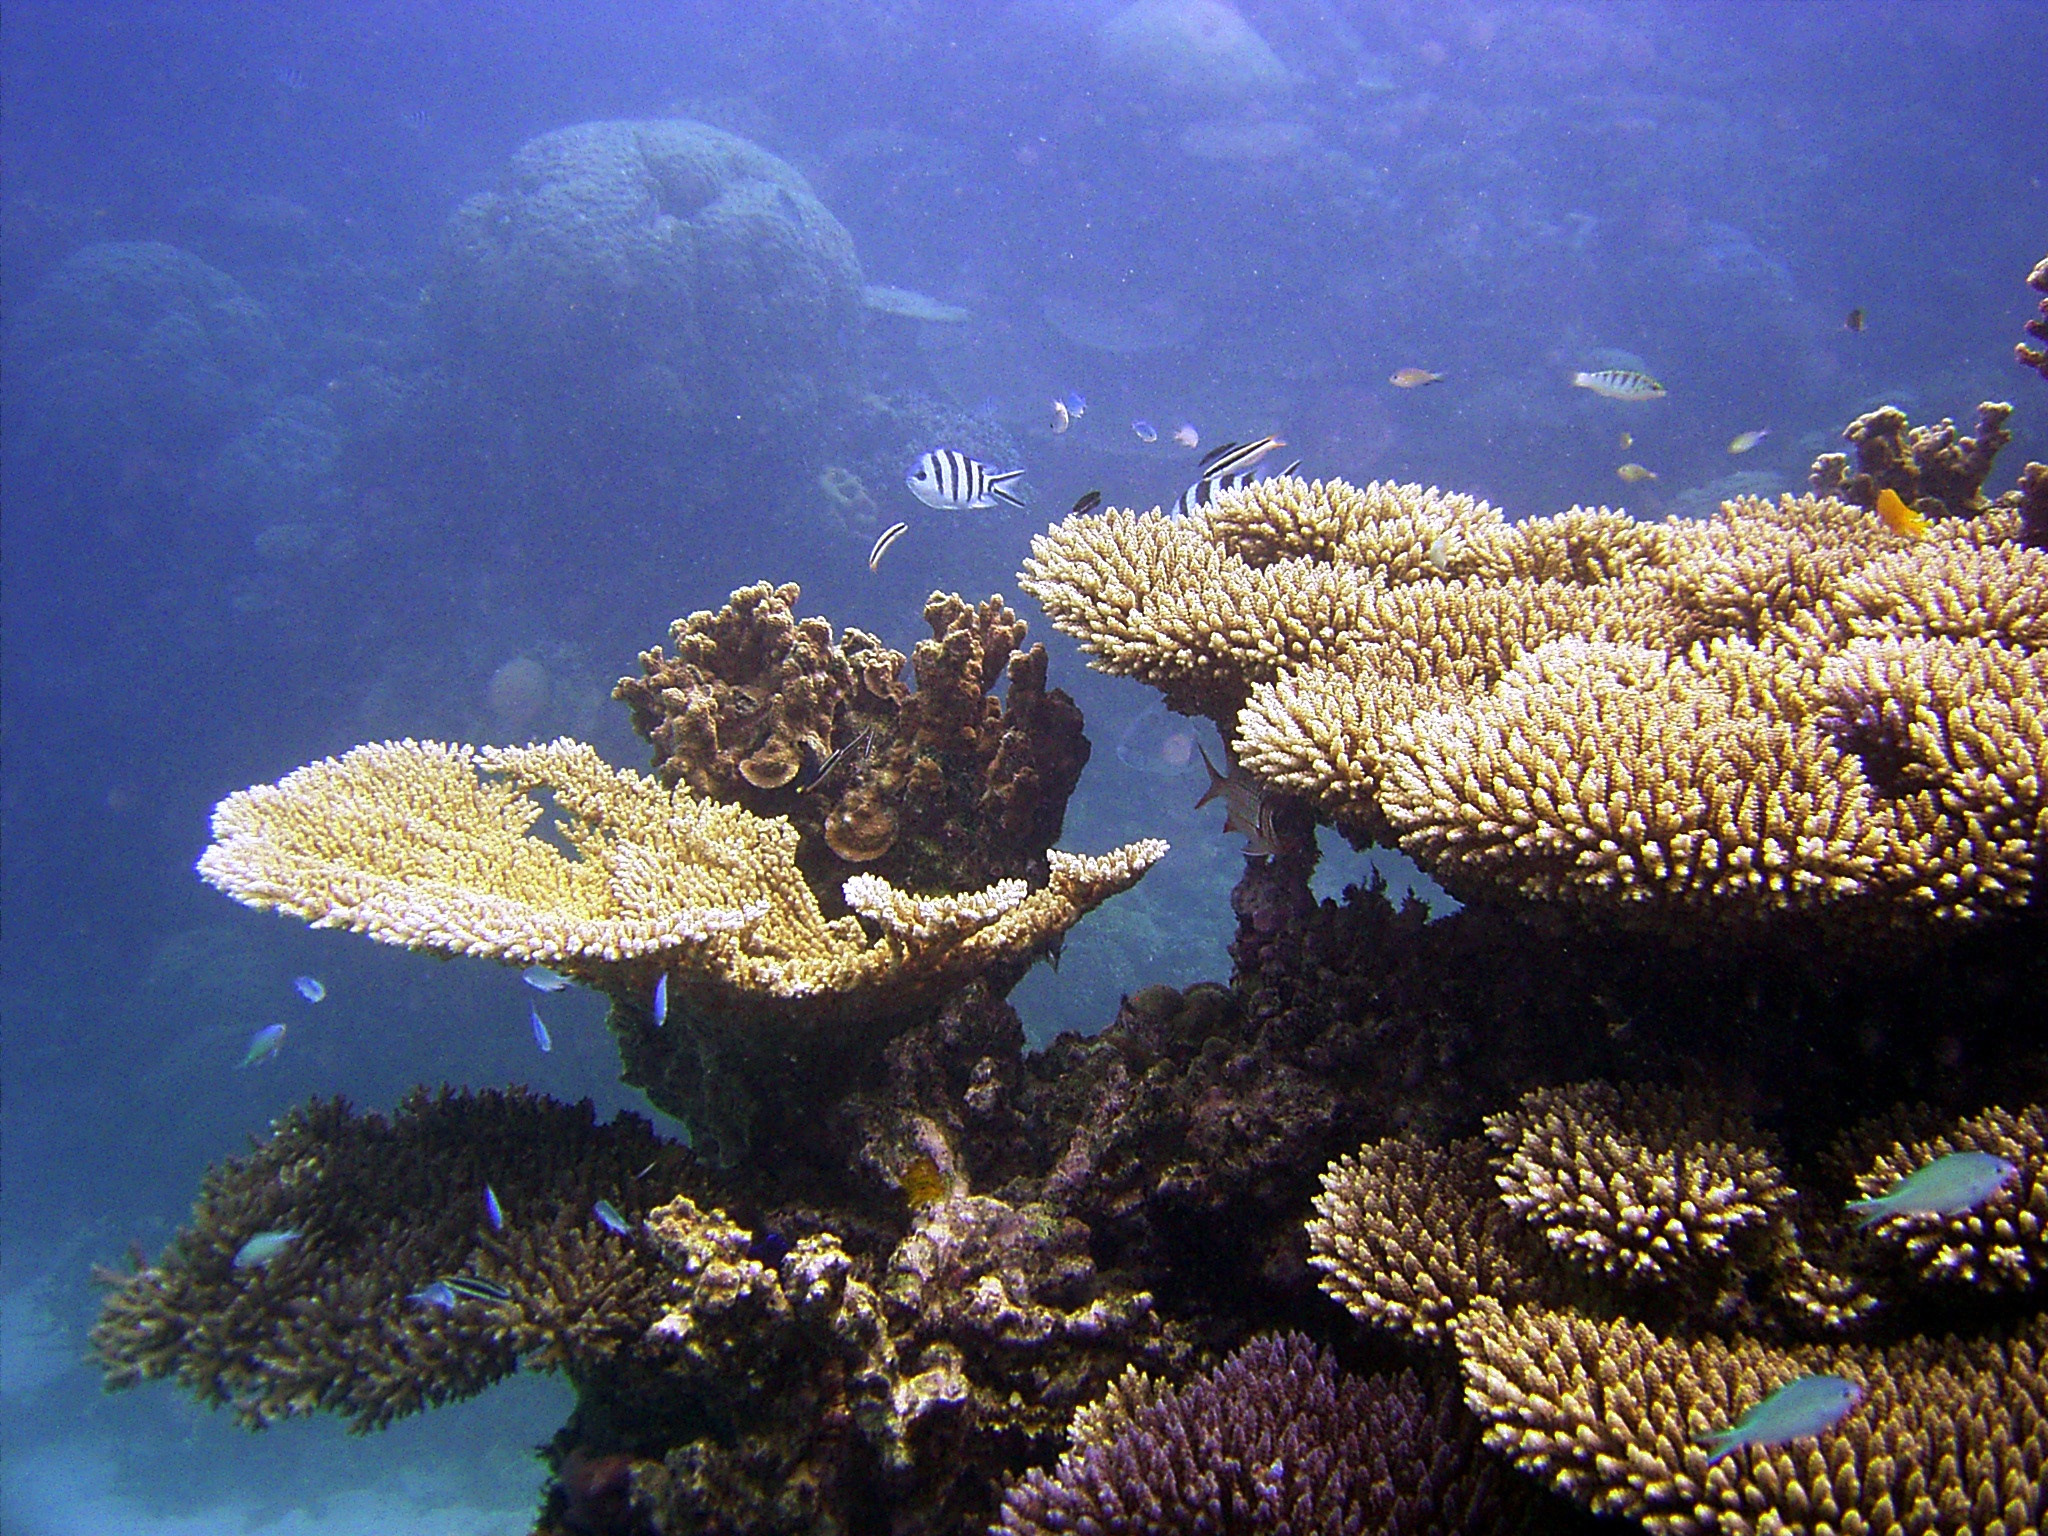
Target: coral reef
[1670, 726]
[1950, 1436]
[1667, 1295]
[2026, 355]
[381, 1209]
[934, 789]
[654, 279]
[430, 847]
[1275, 1441]
[1932, 469]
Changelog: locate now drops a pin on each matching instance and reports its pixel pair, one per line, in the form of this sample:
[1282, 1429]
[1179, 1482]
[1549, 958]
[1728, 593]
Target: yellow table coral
[1788, 708]
[434, 847]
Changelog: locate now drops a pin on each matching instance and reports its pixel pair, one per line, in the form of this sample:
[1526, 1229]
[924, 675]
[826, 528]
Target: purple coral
[1274, 1441]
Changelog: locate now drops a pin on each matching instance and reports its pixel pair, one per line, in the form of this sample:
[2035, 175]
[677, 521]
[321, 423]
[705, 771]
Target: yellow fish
[1411, 378]
[1899, 517]
[1742, 442]
[923, 1183]
[1634, 472]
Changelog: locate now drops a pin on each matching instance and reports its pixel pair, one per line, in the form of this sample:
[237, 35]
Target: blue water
[286, 470]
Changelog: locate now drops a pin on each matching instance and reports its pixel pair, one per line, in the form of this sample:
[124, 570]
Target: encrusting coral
[1275, 1441]
[940, 788]
[430, 847]
[1668, 724]
[381, 1209]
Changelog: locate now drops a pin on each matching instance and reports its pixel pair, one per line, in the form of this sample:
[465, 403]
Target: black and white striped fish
[1204, 490]
[949, 481]
[1231, 458]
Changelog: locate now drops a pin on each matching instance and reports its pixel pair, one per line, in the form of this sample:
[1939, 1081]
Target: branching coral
[1951, 1435]
[937, 789]
[382, 1209]
[1274, 1442]
[1641, 1184]
[1580, 709]
[410, 843]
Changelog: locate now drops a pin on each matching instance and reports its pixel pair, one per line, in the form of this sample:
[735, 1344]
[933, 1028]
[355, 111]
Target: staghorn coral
[2000, 1247]
[1638, 1183]
[383, 1208]
[410, 843]
[1273, 1441]
[1951, 1435]
[937, 789]
[1932, 469]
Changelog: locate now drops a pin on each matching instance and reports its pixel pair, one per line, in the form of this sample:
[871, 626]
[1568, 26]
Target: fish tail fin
[1217, 782]
[1722, 1443]
[999, 487]
[1870, 1212]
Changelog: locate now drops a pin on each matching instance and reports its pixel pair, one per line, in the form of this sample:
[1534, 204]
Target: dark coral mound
[1935, 470]
[937, 788]
[383, 1208]
[1273, 1442]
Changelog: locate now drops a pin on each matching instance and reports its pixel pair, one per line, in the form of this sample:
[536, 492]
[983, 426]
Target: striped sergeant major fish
[948, 480]
[1205, 490]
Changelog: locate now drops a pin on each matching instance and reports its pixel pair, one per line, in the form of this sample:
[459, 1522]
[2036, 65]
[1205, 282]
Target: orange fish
[1413, 378]
[1244, 806]
[1899, 517]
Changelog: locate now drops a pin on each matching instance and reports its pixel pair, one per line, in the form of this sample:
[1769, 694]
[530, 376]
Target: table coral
[1951, 1435]
[430, 847]
[937, 788]
[1640, 721]
[382, 1209]
[1273, 1441]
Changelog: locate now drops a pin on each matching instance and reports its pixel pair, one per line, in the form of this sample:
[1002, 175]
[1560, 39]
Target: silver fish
[1620, 384]
[541, 1037]
[613, 1221]
[263, 1045]
[661, 1001]
[949, 481]
[541, 979]
[1062, 418]
[886, 542]
[1245, 806]
[311, 988]
[263, 1247]
[494, 1213]
[435, 1295]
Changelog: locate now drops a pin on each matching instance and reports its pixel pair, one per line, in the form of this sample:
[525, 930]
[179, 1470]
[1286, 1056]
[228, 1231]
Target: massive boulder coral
[937, 788]
[431, 847]
[1789, 710]
[655, 279]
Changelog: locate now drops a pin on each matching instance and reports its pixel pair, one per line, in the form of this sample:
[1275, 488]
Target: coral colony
[1694, 1173]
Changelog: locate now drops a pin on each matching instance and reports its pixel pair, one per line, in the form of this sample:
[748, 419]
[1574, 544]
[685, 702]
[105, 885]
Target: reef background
[269, 513]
